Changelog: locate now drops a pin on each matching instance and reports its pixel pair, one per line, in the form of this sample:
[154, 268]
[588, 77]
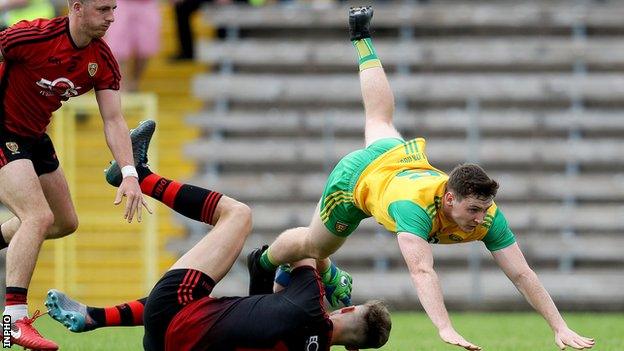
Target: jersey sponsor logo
[13, 147]
[411, 158]
[312, 343]
[92, 69]
[62, 87]
[455, 237]
[341, 226]
[415, 174]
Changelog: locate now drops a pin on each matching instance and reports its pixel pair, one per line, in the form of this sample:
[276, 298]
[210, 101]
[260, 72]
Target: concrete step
[417, 88]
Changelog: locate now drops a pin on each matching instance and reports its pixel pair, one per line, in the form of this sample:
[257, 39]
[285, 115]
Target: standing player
[180, 315]
[392, 181]
[43, 63]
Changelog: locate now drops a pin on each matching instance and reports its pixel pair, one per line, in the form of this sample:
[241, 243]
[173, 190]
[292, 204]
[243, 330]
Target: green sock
[265, 262]
[329, 274]
[367, 56]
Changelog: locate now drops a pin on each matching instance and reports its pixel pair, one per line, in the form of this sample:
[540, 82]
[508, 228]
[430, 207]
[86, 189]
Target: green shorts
[338, 210]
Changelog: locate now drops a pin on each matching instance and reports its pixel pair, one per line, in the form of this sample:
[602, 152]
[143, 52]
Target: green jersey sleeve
[499, 236]
[410, 218]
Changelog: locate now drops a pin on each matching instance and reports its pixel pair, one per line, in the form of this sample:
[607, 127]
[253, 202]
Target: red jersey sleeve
[109, 77]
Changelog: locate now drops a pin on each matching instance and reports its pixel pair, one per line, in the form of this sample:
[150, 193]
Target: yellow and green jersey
[403, 192]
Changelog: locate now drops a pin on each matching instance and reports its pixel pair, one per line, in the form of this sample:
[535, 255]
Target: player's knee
[231, 208]
[46, 218]
[315, 249]
[323, 252]
[63, 228]
[39, 222]
[243, 215]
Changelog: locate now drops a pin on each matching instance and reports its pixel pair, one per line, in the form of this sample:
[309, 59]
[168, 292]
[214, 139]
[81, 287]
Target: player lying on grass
[392, 181]
[179, 313]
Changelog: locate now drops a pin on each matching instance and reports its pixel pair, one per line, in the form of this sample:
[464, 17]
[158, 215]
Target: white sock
[16, 312]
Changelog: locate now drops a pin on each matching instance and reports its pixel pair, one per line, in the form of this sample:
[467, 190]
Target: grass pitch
[410, 331]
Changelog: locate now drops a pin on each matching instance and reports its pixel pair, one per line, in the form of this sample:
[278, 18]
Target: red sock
[127, 314]
[189, 200]
[15, 296]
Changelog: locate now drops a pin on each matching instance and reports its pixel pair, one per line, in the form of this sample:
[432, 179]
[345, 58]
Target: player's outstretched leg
[376, 93]
[78, 317]
[140, 138]
[190, 201]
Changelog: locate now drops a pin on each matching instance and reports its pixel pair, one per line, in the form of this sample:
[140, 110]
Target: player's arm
[118, 140]
[413, 226]
[283, 273]
[419, 259]
[512, 262]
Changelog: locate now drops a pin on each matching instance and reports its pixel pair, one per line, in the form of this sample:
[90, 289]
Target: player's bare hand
[130, 189]
[450, 336]
[567, 337]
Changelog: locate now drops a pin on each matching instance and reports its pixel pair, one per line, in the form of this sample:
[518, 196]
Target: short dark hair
[377, 325]
[469, 179]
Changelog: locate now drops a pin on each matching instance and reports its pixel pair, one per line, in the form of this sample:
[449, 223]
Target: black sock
[15, 296]
[126, 314]
[191, 201]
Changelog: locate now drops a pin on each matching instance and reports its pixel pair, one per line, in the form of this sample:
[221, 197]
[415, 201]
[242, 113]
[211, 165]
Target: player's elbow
[418, 271]
[523, 276]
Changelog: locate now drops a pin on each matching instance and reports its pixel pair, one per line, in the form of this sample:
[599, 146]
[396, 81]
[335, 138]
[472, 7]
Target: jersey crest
[92, 69]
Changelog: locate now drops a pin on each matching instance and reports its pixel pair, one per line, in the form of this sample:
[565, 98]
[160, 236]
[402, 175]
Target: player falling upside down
[392, 181]
[179, 313]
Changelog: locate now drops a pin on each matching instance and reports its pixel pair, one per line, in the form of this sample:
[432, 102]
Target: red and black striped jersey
[43, 67]
[291, 320]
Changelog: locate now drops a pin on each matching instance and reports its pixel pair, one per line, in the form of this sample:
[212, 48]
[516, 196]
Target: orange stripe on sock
[171, 192]
[137, 312]
[148, 184]
[112, 316]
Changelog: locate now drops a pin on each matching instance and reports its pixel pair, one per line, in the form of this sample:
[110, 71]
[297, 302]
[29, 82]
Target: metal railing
[64, 134]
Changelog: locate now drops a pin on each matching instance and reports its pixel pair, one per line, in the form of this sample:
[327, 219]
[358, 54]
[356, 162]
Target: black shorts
[176, 289]
[39, 150]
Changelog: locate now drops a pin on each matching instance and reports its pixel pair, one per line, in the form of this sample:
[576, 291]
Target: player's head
[363, 326]
[93, 17]
[469, 194]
